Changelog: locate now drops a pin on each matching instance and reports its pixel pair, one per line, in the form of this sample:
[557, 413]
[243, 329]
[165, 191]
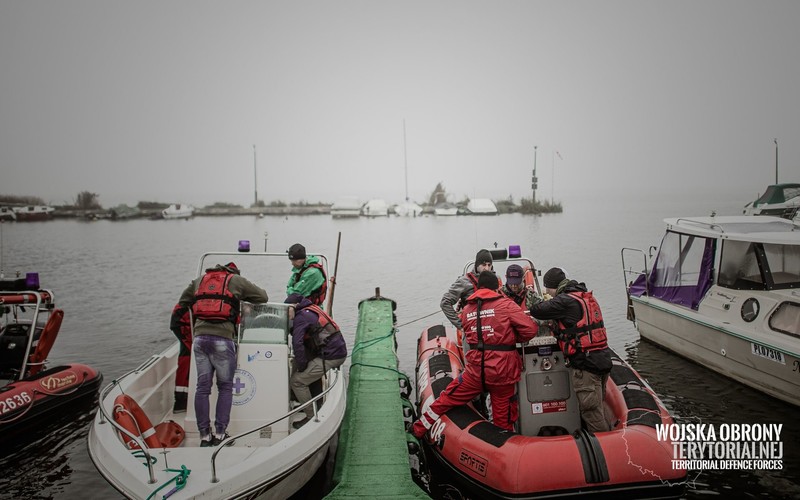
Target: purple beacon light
[244, 246]
[514, 252]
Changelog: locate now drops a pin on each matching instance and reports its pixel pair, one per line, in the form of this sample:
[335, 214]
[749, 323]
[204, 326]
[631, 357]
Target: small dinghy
[33, 396]
[144, 449]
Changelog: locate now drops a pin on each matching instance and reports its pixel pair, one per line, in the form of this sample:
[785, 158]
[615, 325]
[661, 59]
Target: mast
[405, 156]
[533, 178]
[255, 177]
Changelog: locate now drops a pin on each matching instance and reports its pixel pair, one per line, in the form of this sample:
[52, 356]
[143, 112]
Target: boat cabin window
[784, 264]
[681, 273]
[679, 260]
[759, 266]
[786, 319]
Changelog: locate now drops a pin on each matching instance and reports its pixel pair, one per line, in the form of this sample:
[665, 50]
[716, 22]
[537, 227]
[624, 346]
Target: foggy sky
[164, 101]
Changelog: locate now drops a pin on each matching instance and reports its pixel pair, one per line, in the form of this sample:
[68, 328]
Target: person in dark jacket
[179, 324]
[493, 325]
[456, 296]
[590, 364]
[318, 346]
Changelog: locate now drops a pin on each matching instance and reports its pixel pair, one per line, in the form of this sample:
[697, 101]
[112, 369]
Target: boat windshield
[748, 265]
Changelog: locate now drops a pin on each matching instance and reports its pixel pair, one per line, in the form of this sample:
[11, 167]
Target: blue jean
[214, 354]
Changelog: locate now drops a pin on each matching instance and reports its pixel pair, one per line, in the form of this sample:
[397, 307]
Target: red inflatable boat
[549, 455]
[32, 395]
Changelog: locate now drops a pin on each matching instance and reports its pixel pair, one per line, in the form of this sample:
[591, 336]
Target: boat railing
[104, 417]
[627, 272]
[224, 443]
[701, 223]
[25, 298]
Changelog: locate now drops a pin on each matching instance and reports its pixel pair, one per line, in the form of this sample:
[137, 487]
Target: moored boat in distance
[781, 200]
[7, 213]
[445, 209]
[178, 211]
[32, 395]
[375, 207]
[33, 213]
[265, 455]
[408, 209]
[482, 206]
[723, 292]
[346, 207]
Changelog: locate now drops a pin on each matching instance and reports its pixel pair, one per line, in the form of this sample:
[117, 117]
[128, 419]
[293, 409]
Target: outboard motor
[547, 403]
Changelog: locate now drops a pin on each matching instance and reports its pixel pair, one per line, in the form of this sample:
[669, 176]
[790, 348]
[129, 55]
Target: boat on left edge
[265, 456]
[33, 395]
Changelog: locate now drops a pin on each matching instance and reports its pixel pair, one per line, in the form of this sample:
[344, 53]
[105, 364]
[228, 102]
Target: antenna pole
[533, 178]
[776, 160]
[255, 177]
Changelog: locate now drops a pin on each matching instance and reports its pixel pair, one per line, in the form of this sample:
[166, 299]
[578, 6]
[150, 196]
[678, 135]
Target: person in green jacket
[308, 276]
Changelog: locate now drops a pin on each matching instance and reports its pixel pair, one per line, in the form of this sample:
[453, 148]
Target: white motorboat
[445, 209]
[264, 457]
[408, 209]
[178, 211]
[375, 207]
[482, 206]
[346, 207]
[724, 292]
[7, 213]
[33, 213]
[782, 200]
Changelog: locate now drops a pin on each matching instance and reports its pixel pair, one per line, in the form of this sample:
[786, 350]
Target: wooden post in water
[333, 278]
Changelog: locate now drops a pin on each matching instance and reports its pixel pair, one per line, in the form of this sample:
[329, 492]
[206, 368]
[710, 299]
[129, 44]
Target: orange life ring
[46, 341]
[133, 419]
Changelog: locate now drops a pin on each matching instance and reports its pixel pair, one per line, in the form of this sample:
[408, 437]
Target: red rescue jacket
[493, 355]
[213, 300]
[588, 334]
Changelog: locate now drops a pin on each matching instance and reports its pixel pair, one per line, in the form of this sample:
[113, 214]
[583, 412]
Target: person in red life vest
[515, 290]
[578, 325]
[214, 300]
[179, 324]
[455, 298]
[493, 325]
[318, 346]
[308, 276]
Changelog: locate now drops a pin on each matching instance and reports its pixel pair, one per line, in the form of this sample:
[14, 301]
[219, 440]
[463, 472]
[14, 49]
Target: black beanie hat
[297, 251]
[488, 279]
[554, 277]
[482, 256]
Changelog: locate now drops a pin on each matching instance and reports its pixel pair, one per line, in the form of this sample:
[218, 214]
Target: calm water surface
[118, 281]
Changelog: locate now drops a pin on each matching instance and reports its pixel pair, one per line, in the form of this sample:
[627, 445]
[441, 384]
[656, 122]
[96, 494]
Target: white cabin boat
[345, 207]
[34, 213]
[482, 206]
[178, 211]
[375, 208]
[781, 200]
[408, 209]
[265, 456]
[7, 213]
[445, 209]
[724, 292]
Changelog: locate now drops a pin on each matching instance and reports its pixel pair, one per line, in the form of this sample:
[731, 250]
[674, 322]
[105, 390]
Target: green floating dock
[372, 458]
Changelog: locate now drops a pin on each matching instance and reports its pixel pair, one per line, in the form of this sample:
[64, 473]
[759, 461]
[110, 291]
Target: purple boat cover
[663, 287]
